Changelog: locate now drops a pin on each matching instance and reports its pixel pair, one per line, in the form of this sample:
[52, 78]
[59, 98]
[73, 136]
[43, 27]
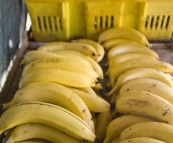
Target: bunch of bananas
[57, 99]
[141, 89]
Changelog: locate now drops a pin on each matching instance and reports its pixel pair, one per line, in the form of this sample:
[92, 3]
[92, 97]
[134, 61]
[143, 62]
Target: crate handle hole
[168, 22]
[102, 22]
[39, 23]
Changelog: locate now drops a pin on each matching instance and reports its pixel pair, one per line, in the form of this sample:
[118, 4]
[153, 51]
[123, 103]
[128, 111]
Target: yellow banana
[34, 141]
[156, 130]
[115, 140]
[122, 32]
[55, 94]
[98, 47]
[117, 69]
[136, 92]
[142, 140]
[116, 126]
[151, 85]
[102, 120]
[126, 56]
[60, 76]
[130, 48]
[35, 55]
[146, 104]
[80, 47]
[48, 114]
[35, 130]
[78, 56]
[93, 118]
[88, 90]
[108, 44]
[140, 73]
[94, 103]
[65, 64]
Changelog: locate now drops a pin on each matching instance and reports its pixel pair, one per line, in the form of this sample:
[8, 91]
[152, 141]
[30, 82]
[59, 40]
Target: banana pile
[141, 89]
[58, 100]
[57, 97]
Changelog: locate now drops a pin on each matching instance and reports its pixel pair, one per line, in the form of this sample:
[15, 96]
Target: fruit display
[66, 95]
[140, 86]
[57, 94]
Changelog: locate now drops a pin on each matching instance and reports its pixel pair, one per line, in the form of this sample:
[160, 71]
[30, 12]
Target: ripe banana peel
[156, 130]
[140, 73]
[142, 140]
[35, 130]
[53, 93]
[130, 48]
[122, 32]
[97, 46]
[80, 47]
[142, 104]
[147, 84]
[48, 114]
[116, 126]
[60, 76]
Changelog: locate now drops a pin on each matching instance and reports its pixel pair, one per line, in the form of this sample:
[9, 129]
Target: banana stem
[114, 89]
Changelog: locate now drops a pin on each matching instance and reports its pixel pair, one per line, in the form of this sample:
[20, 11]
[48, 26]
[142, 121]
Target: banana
[34, 141]
[48, 114]
[98, 47]
[35, 55]
[35, 130]
[97, 87]
[55, 94]
[142, 93]
[130, 48]
[142, 103]
[94, 118]
[7, 132]
[150, 85]
[108, 44]
[116, 126]
[94, 103]
[113, 97]
[29, 141]
[156, 130]
[122, 32]
[142, 140]
[65, 64]
[60, 76]
[88, 90]
[140, 73]
[126, 56]
[80, 47]
[78, 56]
[117, 69]
[115, 140]
[102, 120]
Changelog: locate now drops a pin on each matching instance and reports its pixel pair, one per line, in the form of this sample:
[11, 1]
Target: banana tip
[108, 94]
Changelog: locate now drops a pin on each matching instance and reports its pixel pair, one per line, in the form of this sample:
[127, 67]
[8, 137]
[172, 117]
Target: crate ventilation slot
[49, 23]
[103, 22]
[157, 22]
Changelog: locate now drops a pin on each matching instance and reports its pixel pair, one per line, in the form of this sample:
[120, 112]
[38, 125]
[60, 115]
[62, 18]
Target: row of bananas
[57, 99]
[141, 90]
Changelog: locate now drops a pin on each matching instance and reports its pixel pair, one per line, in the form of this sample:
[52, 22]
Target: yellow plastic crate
[54, 20]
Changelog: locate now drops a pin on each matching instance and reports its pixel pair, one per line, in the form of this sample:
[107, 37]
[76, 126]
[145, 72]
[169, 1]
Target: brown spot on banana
[136, 102]
[164, 113]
